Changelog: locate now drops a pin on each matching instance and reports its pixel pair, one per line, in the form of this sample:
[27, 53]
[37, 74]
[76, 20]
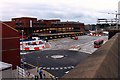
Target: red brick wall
[10, 45]
[48, 22]
[12, 57]
[11, 23]
[25, 21]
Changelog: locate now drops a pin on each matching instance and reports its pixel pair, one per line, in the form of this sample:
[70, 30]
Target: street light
[22, 52]
[22, 39]
[22, 49]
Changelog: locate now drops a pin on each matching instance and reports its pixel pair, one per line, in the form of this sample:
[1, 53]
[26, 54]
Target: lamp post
[22, 39]
[22, 52]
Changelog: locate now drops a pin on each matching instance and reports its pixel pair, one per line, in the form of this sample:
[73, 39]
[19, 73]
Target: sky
[85, 11]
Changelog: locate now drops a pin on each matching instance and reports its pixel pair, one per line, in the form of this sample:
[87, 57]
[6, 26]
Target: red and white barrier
[32, 42]
[32, 47]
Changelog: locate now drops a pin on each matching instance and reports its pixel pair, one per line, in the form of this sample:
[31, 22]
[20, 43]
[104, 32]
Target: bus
[98, 43]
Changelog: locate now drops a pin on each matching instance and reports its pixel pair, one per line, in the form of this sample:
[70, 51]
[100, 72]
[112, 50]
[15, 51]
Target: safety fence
[22, 73]
[34, 46]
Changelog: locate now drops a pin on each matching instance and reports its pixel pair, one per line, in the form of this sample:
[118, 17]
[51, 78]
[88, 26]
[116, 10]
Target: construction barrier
[32, 42]
[32, 47]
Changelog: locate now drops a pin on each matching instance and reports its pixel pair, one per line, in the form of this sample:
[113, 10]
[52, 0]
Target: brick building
[10, 45]
[11, 23]
[47, 22]
[26, 24]
[65, 27]
[44, 26]
[32, 25]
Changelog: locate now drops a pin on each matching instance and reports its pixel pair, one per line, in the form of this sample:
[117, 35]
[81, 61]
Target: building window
[38, 23]
[17, 24]
[20, 23]
[30, 23]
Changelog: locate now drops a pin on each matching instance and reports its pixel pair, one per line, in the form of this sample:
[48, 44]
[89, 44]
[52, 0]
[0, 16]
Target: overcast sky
[86, 11]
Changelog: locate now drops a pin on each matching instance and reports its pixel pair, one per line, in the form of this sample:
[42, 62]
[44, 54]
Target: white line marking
[61, 68]
[52, 68]
[48, 68]
[56, 68]
[65, 67]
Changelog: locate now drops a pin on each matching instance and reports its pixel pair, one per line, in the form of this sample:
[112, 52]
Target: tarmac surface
[56, 62]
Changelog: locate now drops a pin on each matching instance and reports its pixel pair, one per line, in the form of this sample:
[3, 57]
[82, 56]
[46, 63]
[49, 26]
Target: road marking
[40, 67]
[44, 67]
[67, 72]
[61, 68]
[56, 68]
[48, 68]
[52, 68]
[72, 66]
[65, 67]
[69, 67]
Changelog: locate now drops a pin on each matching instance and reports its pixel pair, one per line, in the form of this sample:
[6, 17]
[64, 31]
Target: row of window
[43, 24]
[20, 23]
[59, 29]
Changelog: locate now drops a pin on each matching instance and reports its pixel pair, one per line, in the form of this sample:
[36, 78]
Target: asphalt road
[60, 66]
[56, 66]
[66, 43]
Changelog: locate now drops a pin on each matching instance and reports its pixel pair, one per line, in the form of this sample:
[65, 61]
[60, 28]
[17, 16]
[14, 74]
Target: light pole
[22, 39]
[23, 58]
[22, 52]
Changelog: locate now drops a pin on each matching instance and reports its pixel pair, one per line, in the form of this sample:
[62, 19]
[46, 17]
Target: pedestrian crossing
[57, 68]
